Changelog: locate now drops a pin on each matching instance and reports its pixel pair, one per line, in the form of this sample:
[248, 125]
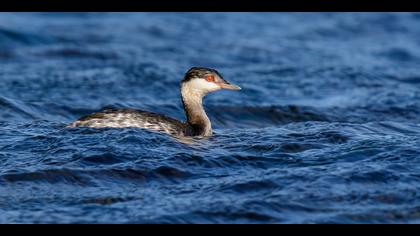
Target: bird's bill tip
[230, 86]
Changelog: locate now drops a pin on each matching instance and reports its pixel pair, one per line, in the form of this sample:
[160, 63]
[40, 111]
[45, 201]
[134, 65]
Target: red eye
[210, 78]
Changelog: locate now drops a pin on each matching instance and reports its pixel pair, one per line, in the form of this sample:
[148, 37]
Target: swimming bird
[197, 83]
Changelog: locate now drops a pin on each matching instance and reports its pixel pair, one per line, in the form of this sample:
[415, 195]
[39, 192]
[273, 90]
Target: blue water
[325, 130]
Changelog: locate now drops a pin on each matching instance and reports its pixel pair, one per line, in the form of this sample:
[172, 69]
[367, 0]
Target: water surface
[325, 129]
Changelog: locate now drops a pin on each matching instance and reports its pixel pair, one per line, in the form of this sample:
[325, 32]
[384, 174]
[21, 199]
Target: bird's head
[201, 80]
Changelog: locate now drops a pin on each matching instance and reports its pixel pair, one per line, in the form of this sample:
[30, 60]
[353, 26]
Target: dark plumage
[201, 72]
[125, 117]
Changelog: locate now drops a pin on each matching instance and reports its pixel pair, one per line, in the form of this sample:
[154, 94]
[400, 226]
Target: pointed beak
[229, 86]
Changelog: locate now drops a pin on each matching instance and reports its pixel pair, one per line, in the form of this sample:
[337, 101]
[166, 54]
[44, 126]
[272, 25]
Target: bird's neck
[192, 101]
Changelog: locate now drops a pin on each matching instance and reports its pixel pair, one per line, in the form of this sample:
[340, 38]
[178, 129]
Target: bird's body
[132, 118]
[196, 84]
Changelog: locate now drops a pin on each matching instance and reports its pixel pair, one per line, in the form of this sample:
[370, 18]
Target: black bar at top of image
[207, 5]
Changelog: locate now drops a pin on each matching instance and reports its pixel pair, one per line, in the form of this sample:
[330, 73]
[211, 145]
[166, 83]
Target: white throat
[192, 98]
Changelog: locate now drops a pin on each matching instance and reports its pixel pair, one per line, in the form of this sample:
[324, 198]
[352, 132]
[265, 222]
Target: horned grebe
[197, 82]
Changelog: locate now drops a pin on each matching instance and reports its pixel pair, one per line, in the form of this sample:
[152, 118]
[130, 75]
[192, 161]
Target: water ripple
[325, 130]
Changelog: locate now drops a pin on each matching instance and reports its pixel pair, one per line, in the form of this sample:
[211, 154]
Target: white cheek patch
[201, 85]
